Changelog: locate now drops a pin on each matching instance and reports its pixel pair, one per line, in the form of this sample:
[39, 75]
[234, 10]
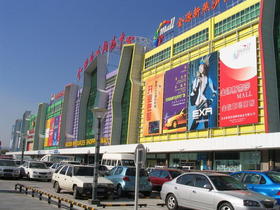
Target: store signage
[195, 13]
[88, 142]
[162, 29]
[108, 46]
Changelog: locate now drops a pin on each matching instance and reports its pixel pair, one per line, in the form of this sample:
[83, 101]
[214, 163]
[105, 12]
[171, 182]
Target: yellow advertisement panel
[47, 132]
[153, 105]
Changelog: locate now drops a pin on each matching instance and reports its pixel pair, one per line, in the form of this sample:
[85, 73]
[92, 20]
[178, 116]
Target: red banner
[238, 84]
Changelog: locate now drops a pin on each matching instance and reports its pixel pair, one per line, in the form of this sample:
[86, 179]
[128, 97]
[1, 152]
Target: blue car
[266, 183]
[123, 178]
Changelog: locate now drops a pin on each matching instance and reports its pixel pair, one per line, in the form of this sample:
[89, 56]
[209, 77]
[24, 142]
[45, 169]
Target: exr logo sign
[201, 113]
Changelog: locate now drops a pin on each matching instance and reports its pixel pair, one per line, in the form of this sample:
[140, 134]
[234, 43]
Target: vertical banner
[238, 84]
[203, 95]
[174, 102]
[153, 105]
[50, 143]
[47, 132]
[55, 131]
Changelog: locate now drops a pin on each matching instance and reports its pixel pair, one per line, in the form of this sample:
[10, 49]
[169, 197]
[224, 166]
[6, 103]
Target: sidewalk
[11, 200]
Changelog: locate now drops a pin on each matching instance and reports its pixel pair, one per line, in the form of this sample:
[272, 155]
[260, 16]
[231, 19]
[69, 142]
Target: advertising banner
[203, 95]
[50, 143]
[47, 131]
[56, 131]
[174, 100]
[153, 105]
[238, 84]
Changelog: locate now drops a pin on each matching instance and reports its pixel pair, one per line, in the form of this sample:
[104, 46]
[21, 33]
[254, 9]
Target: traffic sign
[140, 151]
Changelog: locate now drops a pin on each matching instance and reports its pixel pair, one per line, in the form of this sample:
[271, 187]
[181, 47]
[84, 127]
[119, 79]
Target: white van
[111, 160]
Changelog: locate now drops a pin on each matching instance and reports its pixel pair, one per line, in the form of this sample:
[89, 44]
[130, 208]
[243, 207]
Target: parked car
[78, 179]
[37, 170]
[266, 183]
[9, 168]
[123, 178]
[158, 176]
[210, 191]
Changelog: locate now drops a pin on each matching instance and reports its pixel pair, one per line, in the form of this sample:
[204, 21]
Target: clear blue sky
[42, 43]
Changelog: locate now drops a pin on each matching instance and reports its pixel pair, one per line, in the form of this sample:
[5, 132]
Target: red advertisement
[238, 84]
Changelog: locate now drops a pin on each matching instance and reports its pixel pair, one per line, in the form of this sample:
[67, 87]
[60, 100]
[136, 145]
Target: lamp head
[99, 112]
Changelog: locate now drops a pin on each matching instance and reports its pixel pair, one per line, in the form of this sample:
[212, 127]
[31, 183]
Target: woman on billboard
[202, 85]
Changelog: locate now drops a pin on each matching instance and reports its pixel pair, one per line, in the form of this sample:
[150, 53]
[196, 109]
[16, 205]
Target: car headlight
[1, 169]
[87, 185]
[17, 171]
[251, 203]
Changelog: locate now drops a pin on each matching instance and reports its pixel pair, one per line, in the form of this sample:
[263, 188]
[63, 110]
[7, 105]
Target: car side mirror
[207, 186]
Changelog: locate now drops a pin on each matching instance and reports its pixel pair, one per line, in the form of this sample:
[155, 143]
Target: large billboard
[203, 94]
[174, 100]
[52, 133]
[153, 105]
[238, 84]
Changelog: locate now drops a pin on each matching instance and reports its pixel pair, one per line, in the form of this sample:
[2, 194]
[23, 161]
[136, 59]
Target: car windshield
[274, 176]
[7, 163]
[38, 165]
[128, 163]
[227, 183]
[132, 172]
[83, 171]
[174, 174]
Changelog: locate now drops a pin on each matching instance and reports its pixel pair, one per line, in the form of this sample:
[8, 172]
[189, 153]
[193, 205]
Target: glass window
[69, 171]
[158, 57]
[118, 171]
[274, 176]
[38, 165]
[174, 174]
[132, 171]
[237, 19]
[187, 179]
[252, 179]
[155, 173]
[200, 181]
[63, 170]
[164, 174]
[57, 170]
[191, 41]
[226, 183]
[83, 171]
[238, 176]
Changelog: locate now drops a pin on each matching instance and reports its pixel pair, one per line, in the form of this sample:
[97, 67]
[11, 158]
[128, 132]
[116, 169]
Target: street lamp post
[99, 113]
[23, 148]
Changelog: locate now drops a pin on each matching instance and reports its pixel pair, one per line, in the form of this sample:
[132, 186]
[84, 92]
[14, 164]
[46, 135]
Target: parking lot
[7, 187]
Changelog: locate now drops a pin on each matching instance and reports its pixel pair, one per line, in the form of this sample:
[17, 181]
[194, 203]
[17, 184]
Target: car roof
[251, 172]
[207, 173]
[168, 169]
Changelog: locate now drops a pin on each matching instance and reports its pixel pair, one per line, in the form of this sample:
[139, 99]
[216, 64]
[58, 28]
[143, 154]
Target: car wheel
[119, 190]
[57, 187]
[171, 202]
[175, 124]
[75, 192]
[226, 206]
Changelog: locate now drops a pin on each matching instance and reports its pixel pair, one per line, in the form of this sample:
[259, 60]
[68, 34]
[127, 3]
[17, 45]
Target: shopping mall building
[205, 96]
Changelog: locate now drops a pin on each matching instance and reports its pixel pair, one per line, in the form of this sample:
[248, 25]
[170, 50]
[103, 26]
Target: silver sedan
[212, 191]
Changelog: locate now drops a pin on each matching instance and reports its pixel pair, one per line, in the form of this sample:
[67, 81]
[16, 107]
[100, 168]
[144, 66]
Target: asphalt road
[10, 199]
